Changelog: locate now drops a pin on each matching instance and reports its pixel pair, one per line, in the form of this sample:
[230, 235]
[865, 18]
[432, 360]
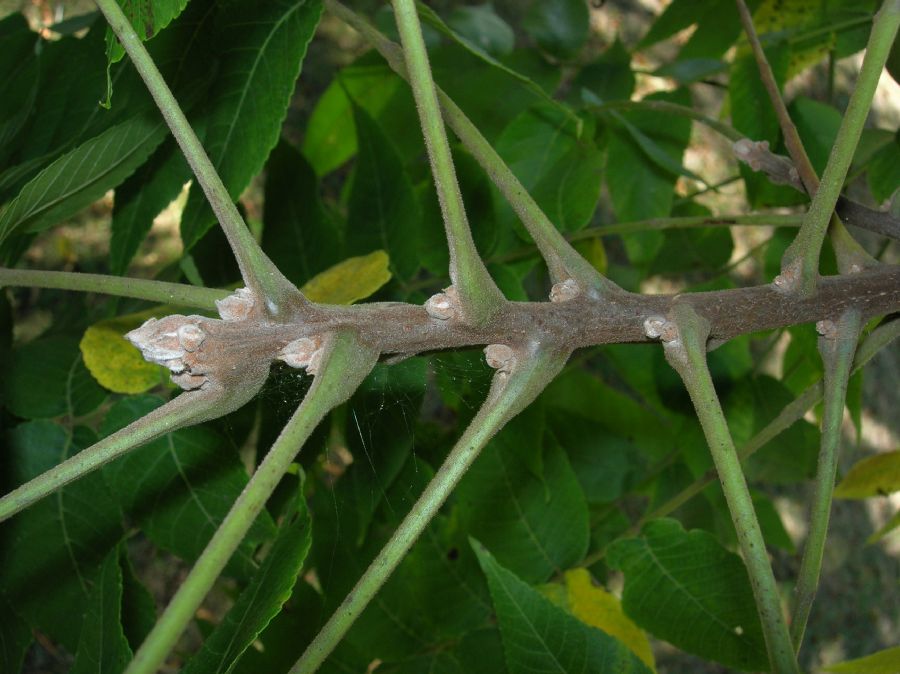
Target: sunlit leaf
[877, 475]
[686, 588]
[541, 637]
[114, 362]
[882, 662]
[596, 607]
[351, 280]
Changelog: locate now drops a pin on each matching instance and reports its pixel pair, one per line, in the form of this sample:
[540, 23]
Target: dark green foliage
[336, 158]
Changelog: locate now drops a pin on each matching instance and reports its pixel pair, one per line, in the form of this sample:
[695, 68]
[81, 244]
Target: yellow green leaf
[777, 16]
[114, 362]
[598, 608]
[876, 475]
[594, 252]
[353, 279]
[891, 524]
[882, 662]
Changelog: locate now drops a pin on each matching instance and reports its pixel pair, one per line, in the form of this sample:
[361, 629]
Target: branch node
[788, 281]
[443, 306]
[500, 357]
[305, 352]
[827, 328]
[238, 306]
[565, 290]
[174, 342]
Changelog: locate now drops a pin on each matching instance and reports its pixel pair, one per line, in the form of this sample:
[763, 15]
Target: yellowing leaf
[882, 662]
[114, 362]
[891, 524]
[594, 252]
[353, 279]
[598, 608]
[877, 475]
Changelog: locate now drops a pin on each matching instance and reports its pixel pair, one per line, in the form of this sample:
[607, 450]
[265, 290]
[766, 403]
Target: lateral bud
[443, 306]
[238, 306]
[565, 290]
[174, 342]
[305, 352]
[500, 357]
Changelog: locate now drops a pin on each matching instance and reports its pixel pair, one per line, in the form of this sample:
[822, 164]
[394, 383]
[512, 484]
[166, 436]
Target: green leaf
[596, 607]
[147, 18]
[138, 605]
[47, 378]
[609, 77]
[481, 25]
[16, 638]
[19, 80]
[558, 26]
[353, 279]
[540, 637]
[718, 26]
[141, 198]
[561, 170]
[686, 588]
[51, 554]
[514, 499]
[382, 211]
[330, 138]
[602, 462]
[678, 15]
[102, 646]
[180, 487]
[299, 235]
[116, 363]
[877, 475]
[882, 662]
[889, 526]
[261, 600]
[818, 125]
[884, 170]
[81, 176]
[260, 65]
[640, 189]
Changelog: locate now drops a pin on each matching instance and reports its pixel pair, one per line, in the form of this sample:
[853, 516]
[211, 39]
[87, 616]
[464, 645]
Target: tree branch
[684, 336]
[276, 293]
[514, 387]
[345, 363]
[837, 344]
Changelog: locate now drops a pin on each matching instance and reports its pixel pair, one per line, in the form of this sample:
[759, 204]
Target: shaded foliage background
[331, 166]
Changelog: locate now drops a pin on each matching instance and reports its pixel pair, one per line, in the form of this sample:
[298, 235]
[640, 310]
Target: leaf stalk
[509, 395]
[686, 352]
[345, 364]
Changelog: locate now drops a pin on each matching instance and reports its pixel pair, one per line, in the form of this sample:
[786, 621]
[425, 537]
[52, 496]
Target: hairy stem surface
[141, 289]
[837, 347]
[686, 352]
[508, 396]
[258, 271]
[478, 294]
[344, 365]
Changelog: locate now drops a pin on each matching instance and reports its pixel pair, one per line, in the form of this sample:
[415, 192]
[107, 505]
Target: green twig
[187, 409]
[685, 346]
[837, 344]
[800, 264]
[258, 271]
[478, 294]
[344, 365]
[563, 261]
[142, 289]
[509, 395]
[723, 129]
